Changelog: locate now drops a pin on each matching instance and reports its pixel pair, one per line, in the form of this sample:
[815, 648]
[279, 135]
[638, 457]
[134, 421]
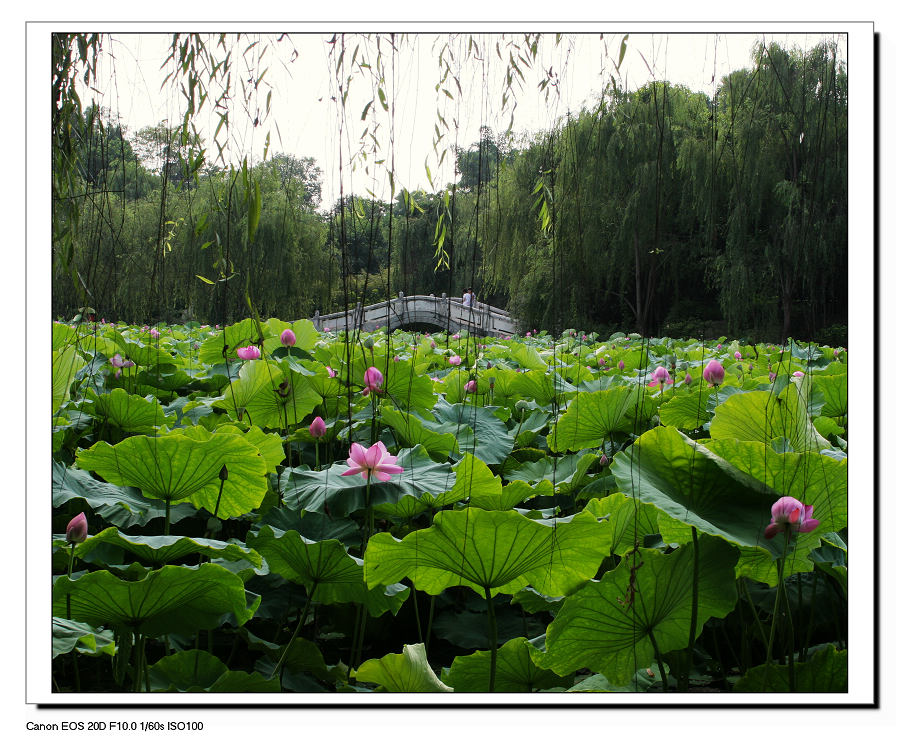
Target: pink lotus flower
[454, 360]
[788, 515]
[374, 461]
[714, 373]
[456, 336]
[288, 338]
[117, 361]
[604, 461]
[471, 386]
[77, 529]
[737, 356]
[373, 379]
[771, 376]
[719, 347]
[798, 373]
[396, 359]
[248, 353]
[688, 379]
[326, 329]
[317, 428]
[601, 362]
[331, 372]
[527, 334]
[432, 345]
[154, 333]
[661, 374]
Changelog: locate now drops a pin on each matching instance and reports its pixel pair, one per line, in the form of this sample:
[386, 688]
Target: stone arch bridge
[441, 312]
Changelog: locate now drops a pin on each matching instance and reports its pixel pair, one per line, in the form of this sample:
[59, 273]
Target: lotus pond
[267, 508]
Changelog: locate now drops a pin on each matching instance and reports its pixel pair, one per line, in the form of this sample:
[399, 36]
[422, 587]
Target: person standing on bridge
[466, 298]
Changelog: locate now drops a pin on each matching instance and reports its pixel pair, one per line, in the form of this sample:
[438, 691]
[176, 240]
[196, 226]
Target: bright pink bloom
[248, 353]
[771, 376]
[288, 338]
[737, 356]
[326, 329]
[788, 514]
[331, 372]
[798, 373]
[317, 428]
[601, 362]
[527, 334]
[661, 374]
[688, 379]
[714, 373]
[471, 386]
[396, 359]
[621, 366]
[432, 344]
[719, 347]
[77, 529]
[375, 460]
[454, 360]
[456, 336]
[373, 379]
[154, 332]
[117, 360]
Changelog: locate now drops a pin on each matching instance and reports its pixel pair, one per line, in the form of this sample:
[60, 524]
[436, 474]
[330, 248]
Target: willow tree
[785, 127]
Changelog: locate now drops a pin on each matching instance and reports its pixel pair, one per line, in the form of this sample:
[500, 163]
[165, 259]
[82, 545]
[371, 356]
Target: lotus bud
[77, 529]
[288, 338]
[454, 360]
[369, 343]
[471, 386]
[373, 379]
[714, 373]
[248, 353]
[604, 461]
[621, 366]
[317, 428]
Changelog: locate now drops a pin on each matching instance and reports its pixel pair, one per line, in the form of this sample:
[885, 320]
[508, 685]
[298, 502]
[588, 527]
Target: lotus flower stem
[303, 615]
[659, 660]
[492, 622]
[695, 595]
[777, 609]
[412, 592]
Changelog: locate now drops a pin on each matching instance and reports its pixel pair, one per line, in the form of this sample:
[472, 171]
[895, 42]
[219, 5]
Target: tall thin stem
[303, 615]
[492, 622]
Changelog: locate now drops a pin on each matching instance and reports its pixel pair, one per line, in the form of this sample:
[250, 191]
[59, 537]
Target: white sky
[307, 117]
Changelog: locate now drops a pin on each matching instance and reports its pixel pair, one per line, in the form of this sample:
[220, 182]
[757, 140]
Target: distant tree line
[660, 209]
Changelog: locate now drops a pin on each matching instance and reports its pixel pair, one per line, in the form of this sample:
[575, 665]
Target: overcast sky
[305, 117]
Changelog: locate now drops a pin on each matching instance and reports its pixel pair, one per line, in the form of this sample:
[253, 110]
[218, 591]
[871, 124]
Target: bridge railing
[442, 311]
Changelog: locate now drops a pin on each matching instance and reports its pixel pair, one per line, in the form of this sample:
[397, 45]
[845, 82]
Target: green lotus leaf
[630, 520]
[486, 435]
[605, 626]
[410, 430]
[119, 505]
[66, 364]
[687, 411]
[514, 493]
[270, 445]
[542, 388]
[695, 486]
[163, 549]
[184, 467]
[173, 599]
[63, 336]
[516, 672]
[236, 336]
[131, 413]
[474, 482]
[313, 490]
[592, 417]
[268, 397]
[84, 639]
[526, 356]
[497, 551]
[834, 392]
[760, 416]
[303, 329]
[825, 672]
[194, 670]
[404, 388]
[336, 575]
[408, 672]
[567, 473]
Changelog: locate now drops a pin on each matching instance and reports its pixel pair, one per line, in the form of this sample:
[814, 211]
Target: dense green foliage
[660, 208]
[564, 523]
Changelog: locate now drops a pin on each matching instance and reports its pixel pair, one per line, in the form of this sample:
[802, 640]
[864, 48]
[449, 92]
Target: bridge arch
[440, 313]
